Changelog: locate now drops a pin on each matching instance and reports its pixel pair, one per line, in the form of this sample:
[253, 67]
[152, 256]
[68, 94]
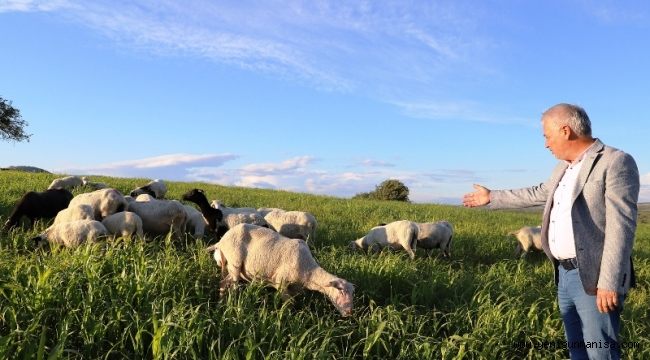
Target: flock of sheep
[269, 244]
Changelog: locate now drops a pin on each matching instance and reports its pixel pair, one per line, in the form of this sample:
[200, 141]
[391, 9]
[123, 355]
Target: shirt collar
[582, 155]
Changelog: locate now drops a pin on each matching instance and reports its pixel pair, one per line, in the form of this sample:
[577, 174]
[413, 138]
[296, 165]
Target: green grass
[159, 299]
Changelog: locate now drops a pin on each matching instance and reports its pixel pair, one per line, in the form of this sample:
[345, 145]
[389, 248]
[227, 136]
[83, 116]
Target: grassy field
[159, 299]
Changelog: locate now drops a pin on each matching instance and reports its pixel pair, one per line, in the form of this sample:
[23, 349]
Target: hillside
[154, 299]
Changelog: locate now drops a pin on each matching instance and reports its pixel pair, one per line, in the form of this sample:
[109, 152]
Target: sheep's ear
[338, 284]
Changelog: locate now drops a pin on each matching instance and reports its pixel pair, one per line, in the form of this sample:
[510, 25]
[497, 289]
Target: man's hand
[606, 300]
[479, 197]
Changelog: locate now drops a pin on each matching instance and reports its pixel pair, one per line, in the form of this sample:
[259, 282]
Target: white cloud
[404, 53]
[31, 5]
[460, 110]
[375, 163]
[644, 194]
[290, 165]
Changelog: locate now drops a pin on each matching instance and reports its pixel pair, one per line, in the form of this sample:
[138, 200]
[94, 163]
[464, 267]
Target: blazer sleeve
[525, 197]
[622, 185]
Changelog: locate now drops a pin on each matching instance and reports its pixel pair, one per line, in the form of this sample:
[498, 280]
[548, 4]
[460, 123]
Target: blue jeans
[589, 333]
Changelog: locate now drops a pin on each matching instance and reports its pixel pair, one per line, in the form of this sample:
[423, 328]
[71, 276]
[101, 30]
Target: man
[587, 229]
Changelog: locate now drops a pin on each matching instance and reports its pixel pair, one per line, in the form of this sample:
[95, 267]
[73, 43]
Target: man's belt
[569, 264]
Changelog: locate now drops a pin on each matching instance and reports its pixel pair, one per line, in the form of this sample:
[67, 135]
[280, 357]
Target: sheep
[436, 235]
[195, 222]
[528, 237]
[293, 224]
[71, 234]
[39, 205]
[398, 234]
[264, 210]
[93, 185]
[212, 216]
[155, 188]
[160, 216]
[75, 212]
[248, 252]
[67, 183]
[124, 224]
[104, 202]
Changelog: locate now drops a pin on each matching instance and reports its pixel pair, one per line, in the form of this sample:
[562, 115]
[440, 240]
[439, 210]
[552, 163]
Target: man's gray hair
[576, 118]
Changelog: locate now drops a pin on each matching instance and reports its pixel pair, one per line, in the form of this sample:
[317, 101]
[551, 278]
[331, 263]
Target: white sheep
[75, 212]
[195, 222]
[528, 237]
[293, 224]
[124, 224]
[248, 252]
[104, 202]
[265, 210]
[231, 210]
[159, 216]
[436, 235]
[155, 188]
[71, 234]
[233, 219]
[93, 185]
[67, 182]
[400, 234]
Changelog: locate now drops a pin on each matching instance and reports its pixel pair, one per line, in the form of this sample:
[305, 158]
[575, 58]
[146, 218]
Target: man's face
[556, 136]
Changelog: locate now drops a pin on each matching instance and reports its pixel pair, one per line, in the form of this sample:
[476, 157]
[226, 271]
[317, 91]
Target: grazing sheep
[195, 222]
[248, 252]
[400, 234]
[71, 234]
[160, 216]
[293, 224]
[212, 215]
[528, 237]
[39, 205]
[436, 235]
[155, 188]
[75, 212]
[67, 183]
[93, 185]
[104, 202]
[124, 224]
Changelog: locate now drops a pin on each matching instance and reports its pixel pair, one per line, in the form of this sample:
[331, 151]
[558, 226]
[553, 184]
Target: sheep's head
[354, 246]
[142, 190]
[343, 296]
[195, 195]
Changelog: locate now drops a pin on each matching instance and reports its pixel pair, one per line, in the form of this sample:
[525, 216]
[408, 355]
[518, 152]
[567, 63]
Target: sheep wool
[248, 252]
[124, 224]
[72, 234]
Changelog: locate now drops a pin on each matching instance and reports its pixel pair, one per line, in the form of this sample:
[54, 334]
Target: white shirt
[560, 230]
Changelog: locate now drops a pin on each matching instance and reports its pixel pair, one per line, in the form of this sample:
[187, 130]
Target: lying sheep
[248, 252]
[264, 211]
[436, 235]
[39, 205]
[71, 234]
[212, 216]
[155, 188]
[93, 185]
[293, 224]
[528, 237]
[75, 212]
[67, 183]
[401, 234]
[104, 202]
[159, 217]
[231, 210]
[124, 224]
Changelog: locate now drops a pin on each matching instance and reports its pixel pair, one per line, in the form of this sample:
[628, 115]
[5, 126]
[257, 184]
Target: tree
[11, 123]
[390, 189]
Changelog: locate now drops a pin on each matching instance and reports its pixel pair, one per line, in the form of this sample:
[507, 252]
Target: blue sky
[325, 97]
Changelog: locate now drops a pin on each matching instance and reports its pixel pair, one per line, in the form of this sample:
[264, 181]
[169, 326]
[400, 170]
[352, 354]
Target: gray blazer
[604, 214]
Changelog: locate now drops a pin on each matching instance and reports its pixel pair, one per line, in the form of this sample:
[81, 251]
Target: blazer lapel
[585, 170]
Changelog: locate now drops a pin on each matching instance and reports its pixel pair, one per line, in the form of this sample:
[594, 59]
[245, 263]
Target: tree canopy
[12, 125]
[390, 189]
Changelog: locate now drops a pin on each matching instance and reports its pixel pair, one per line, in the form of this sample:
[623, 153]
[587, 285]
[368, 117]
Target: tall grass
[159, 299]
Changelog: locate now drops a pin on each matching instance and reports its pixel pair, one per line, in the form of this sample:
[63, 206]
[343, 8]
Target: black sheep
[211, 214]
[39, 205]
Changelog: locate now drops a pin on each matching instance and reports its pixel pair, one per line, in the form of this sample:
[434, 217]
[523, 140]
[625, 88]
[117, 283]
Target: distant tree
[390, 189]
[11, 123]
